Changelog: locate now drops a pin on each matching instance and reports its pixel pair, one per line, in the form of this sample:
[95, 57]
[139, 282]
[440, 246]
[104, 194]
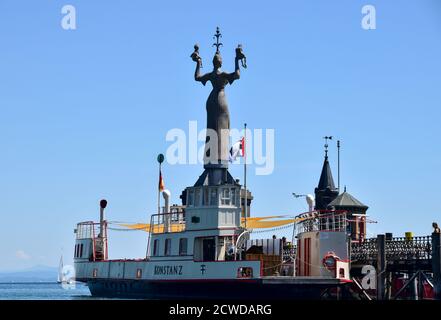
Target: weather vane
[217, 36]
[326, 144]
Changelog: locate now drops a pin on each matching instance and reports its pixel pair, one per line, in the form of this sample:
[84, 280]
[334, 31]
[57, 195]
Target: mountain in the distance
[35, 274]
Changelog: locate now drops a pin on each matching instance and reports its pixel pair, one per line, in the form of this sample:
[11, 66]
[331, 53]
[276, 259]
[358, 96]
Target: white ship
[201, 249]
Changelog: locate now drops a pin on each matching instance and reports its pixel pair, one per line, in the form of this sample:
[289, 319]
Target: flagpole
[245, 174]
[159, 191]
[160, 160]
[338, 161]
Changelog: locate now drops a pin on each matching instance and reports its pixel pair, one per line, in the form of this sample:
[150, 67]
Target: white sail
[60, 271]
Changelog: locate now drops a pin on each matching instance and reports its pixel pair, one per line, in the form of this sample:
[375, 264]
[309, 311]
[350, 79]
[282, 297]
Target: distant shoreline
[28, 282]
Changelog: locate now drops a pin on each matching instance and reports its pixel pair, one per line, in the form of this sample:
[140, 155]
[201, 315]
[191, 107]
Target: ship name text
[168, 270]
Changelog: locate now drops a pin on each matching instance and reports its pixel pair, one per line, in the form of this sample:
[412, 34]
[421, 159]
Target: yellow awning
[252, 223]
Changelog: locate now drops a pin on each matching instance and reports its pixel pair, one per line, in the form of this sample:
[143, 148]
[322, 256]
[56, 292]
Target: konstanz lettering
[168, 270]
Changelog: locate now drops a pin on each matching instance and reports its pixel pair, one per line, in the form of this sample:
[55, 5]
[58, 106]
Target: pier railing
[397, 249]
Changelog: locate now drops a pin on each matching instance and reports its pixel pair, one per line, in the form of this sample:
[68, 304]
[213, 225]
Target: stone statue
[218, 116]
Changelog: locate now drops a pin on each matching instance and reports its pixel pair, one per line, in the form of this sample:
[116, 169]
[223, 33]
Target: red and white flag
[237, 150]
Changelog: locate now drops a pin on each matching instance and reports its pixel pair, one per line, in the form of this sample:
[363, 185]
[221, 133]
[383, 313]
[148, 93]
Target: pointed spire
[325, 191]
[326, 179]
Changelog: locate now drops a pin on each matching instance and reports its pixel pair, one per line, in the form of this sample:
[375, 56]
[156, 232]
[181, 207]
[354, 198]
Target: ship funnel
[311, 202]
[166, 194]
[103, 205]
[167, 216]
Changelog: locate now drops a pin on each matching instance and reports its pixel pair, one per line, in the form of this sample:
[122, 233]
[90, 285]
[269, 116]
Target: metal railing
[87, 230]
[289, 253]
[415, 248]
[322, 221]
[167, 222]
[91, 230]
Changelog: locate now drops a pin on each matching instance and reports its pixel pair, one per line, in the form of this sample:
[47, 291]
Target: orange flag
[161, 182]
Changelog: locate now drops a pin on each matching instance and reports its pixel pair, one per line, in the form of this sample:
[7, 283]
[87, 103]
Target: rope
[273, 229]
[131, 229]
[250, 231]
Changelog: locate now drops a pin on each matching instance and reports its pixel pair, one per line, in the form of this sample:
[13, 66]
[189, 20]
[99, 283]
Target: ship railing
[87, 230]
[167, 222]
[322, 220]
[90, 230]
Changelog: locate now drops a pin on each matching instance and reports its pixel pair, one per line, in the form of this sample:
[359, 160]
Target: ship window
[213, 197]
[233, 197]
[156, 247]
[81, 250]
[76, 251]
[225, 197]
[197, 197]
[167, 247]
[245, 272]
[190, 197]
[138, 273]
[182, 246]
[205, 197]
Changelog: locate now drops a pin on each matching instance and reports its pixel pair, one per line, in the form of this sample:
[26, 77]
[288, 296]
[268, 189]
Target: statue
[436, 229]
[218, 116]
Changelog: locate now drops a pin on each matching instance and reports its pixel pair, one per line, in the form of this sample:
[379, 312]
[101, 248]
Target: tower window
[190, 197]
[197, 197]
[213, 197]
[205, 203]
[225, 197]
[233, 197]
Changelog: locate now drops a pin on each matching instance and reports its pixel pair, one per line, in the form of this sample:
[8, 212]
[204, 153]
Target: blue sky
[85, 112]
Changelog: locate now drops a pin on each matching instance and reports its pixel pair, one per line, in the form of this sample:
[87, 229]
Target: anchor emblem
[203, 268]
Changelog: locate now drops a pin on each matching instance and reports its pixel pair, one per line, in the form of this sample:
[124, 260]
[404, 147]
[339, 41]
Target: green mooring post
[381, 266]
[436, 264]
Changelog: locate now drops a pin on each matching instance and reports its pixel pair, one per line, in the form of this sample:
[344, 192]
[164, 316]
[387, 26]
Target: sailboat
[64, 276]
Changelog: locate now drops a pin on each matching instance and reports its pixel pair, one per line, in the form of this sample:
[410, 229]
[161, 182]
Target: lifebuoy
[330, 260]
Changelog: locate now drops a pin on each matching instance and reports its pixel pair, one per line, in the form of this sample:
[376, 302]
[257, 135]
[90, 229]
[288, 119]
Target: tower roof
[204, 179]
[346, 200]
[326, 180]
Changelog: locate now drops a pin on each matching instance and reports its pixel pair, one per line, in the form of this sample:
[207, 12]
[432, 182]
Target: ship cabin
[205, 229]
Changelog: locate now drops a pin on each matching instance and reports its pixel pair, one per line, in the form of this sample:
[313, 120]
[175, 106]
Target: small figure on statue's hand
[240, 56]
[195, 55]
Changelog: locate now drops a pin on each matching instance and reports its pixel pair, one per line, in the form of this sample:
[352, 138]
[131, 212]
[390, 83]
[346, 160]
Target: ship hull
[206, 289]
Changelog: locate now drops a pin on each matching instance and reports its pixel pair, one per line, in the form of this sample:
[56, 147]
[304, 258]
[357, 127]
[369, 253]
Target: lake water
[43, 291]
